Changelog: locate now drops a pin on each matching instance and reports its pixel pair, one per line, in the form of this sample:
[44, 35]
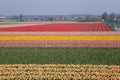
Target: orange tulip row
[59, 71]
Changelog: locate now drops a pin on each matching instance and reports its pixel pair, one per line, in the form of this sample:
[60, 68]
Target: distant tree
[105, 16]
[21, 17]
[118, 20]
[112, 17]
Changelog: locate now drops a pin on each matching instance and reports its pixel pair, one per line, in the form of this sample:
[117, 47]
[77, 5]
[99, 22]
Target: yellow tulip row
[59, 71]
[15, 37]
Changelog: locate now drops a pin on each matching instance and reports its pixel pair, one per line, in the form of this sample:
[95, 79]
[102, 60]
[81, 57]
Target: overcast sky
[58, 7]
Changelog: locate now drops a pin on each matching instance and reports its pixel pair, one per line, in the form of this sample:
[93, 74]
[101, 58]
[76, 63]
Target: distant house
[79, 19]
[93, 19]
[2, 18]
[87, 19]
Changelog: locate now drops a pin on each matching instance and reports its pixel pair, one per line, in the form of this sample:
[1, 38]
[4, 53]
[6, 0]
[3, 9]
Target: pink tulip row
[61, 43]
[61, 33]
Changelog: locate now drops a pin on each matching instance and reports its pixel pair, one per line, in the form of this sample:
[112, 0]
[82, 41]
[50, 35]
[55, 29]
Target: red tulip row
[59, 27]
[100, 27]
[61, 43]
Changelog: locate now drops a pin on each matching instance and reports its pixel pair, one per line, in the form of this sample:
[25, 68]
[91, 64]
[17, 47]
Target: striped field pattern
[40, 40]
[83, 35]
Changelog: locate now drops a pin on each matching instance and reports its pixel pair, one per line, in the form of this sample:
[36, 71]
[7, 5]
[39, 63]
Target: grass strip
[60, 56]
[110, 26]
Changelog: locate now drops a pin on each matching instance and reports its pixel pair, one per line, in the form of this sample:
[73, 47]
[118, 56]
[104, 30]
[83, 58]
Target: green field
[59, 55]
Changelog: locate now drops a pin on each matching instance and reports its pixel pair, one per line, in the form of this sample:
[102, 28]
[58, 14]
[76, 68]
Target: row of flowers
[61, 33]
[61, 43]
[86, 37]
[59, 71]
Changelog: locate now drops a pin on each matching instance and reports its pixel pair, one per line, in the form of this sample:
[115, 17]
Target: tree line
[109, 17]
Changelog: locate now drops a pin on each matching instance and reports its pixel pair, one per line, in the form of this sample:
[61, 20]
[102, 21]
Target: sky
[58, 7]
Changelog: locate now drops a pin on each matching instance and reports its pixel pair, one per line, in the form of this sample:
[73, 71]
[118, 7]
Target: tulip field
[59, 27]
[76, 35]
[65, 51]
